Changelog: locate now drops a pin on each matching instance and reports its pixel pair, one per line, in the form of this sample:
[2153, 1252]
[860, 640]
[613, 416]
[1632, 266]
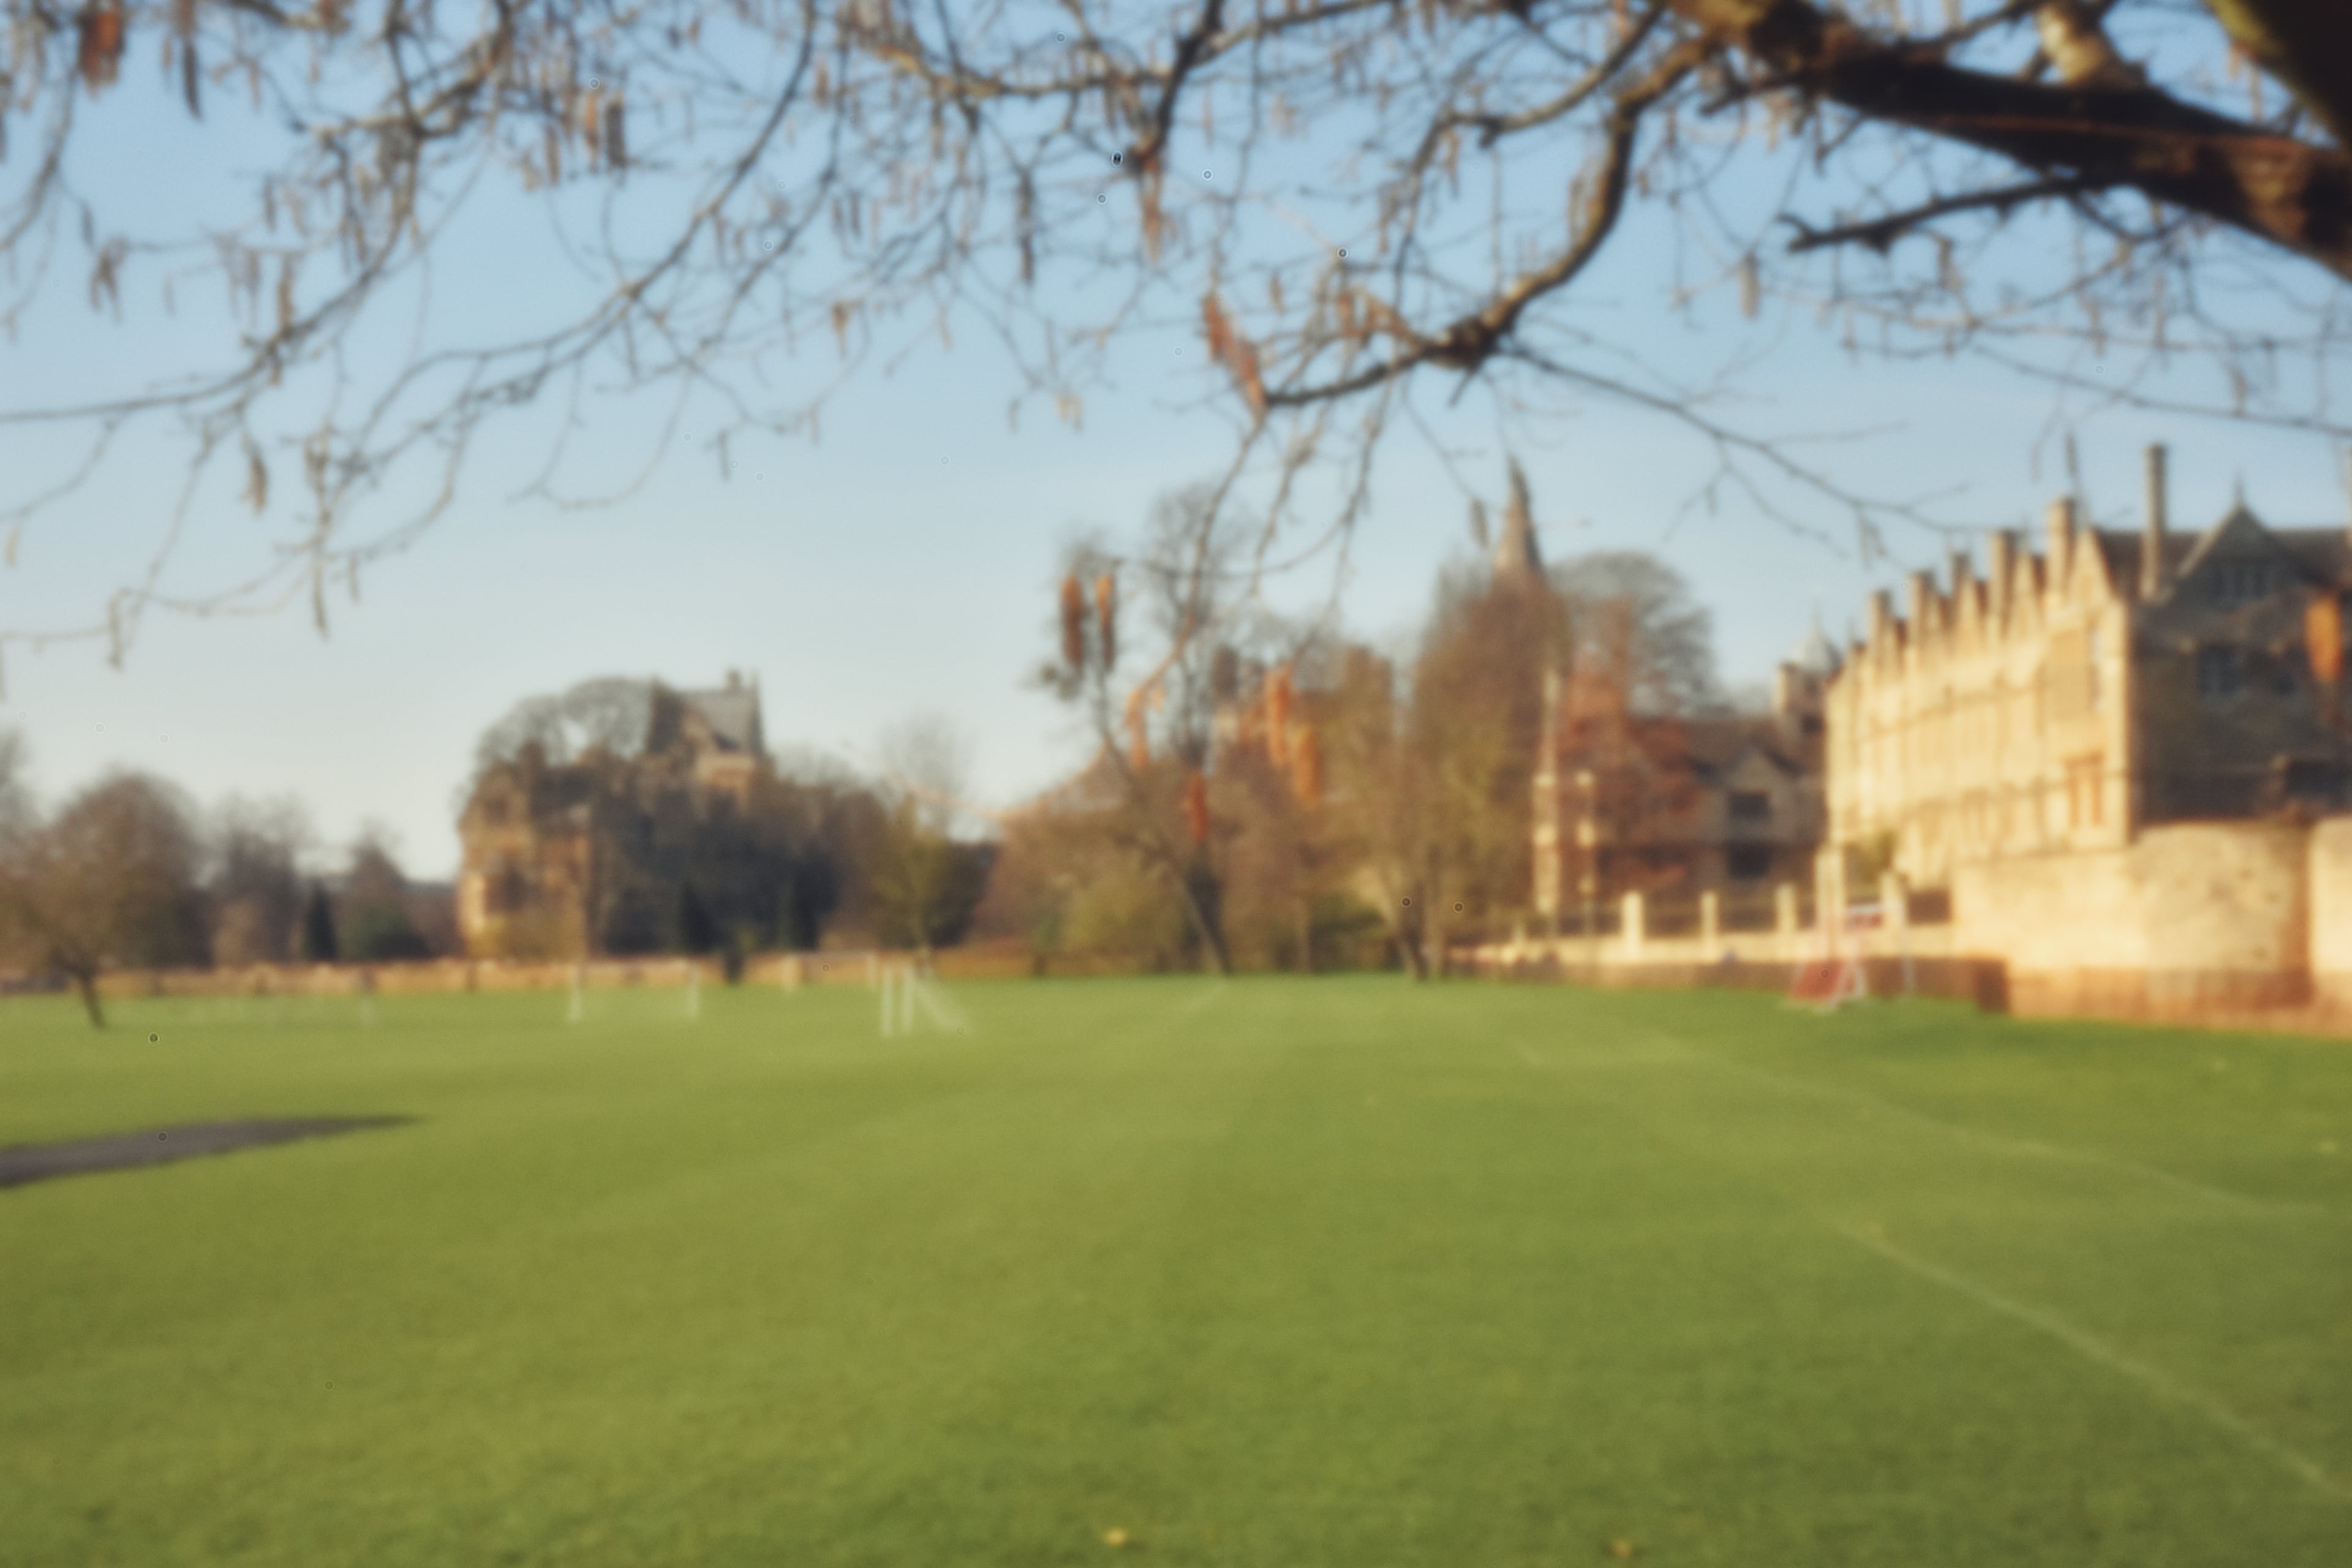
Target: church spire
[1515, 553]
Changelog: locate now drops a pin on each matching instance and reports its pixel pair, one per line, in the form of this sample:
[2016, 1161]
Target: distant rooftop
[732, 711]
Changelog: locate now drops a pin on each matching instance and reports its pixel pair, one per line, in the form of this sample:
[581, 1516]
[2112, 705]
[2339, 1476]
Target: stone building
[591, 854]
[1675, 807]
[2068, 700]
[2116, 755]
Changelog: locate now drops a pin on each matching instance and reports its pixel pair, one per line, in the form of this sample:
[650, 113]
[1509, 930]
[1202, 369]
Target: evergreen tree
[319, 944]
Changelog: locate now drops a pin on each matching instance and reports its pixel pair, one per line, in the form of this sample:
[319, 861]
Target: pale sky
[904, 564]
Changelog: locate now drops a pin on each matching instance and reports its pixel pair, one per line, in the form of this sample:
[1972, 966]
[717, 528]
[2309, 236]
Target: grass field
[1278, 1273]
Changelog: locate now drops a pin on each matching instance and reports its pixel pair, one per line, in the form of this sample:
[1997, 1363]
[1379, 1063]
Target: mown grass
[1276, 1272]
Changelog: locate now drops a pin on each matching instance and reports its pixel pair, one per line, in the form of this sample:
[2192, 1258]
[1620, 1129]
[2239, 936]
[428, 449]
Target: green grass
[1280, 1273]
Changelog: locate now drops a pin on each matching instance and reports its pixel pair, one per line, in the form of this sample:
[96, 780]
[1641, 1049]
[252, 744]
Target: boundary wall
[2216, 924]
[417, 977]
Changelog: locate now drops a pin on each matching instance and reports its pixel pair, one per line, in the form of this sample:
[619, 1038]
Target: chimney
[1923, 605]
[2000, 560]
[2151, 550]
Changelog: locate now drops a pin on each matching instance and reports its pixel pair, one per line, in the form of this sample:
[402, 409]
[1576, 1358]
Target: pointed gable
[2238, 560]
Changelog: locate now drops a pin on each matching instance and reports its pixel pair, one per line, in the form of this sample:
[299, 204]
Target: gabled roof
[733, 715]
[2322, 554]
[1718, 745]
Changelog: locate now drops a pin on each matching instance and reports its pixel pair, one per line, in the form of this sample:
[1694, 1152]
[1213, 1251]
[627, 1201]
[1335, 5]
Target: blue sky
[903, 565]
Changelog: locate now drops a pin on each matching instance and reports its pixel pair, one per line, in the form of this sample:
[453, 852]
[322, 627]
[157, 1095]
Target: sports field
[1280, 1273]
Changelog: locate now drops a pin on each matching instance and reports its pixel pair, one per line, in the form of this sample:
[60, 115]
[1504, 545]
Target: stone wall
[2331, 912]
[786, 970]
[2187, 920]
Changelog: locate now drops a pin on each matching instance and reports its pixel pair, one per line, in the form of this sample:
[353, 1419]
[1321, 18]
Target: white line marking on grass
[2001, 1141]
[2159, 1383]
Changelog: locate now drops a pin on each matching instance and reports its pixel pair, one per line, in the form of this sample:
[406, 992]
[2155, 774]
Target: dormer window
[2239, 581]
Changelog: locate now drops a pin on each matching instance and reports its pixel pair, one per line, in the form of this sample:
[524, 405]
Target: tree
[1382, 795]
[112, 878]
[255, 886]
[742, 181]
[924, 883]
[613, 712]
[374, 923]
[318, 936]
[1473, 726]
[1154, 731]
[1633, 617]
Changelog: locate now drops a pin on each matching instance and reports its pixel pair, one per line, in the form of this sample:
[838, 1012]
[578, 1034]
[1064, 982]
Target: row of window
[2226, 671]
[2222, 672]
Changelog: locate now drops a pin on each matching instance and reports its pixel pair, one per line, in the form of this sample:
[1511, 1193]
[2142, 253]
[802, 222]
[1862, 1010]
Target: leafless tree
[111, 878]
[1472, 727]
[1350, 200]
[922, 880]
[1633, 617]
[614, 712]
[1150, 701]
[254, 885]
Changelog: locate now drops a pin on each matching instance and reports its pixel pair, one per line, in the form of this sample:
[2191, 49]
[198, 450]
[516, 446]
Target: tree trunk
[1212, 943]
[85, 986]
[1409, 944]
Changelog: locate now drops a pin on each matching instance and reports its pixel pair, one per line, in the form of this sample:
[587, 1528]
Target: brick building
[1672, 808]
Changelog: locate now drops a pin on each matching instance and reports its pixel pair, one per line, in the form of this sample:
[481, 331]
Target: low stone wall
[785, 970]
[2158, 997]
[1979, 981]
[421, 976]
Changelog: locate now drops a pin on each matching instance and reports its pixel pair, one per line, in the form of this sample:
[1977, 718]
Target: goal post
[1841, 974]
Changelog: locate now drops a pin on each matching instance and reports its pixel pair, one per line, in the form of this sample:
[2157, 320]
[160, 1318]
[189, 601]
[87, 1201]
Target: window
[2238, 582]
[1750, 805]
[1748, 862]
[2217, 672]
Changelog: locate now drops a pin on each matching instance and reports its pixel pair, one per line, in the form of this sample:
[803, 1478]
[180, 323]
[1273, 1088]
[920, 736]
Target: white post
[1828, 899]
[1894, 906]
[1633, 922]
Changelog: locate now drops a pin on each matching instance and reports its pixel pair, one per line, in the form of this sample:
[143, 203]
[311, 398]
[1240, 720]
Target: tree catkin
[1106, 618]
[1073, 623]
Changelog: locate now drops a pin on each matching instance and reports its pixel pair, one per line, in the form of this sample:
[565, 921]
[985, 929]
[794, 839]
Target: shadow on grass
[161, 1145]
